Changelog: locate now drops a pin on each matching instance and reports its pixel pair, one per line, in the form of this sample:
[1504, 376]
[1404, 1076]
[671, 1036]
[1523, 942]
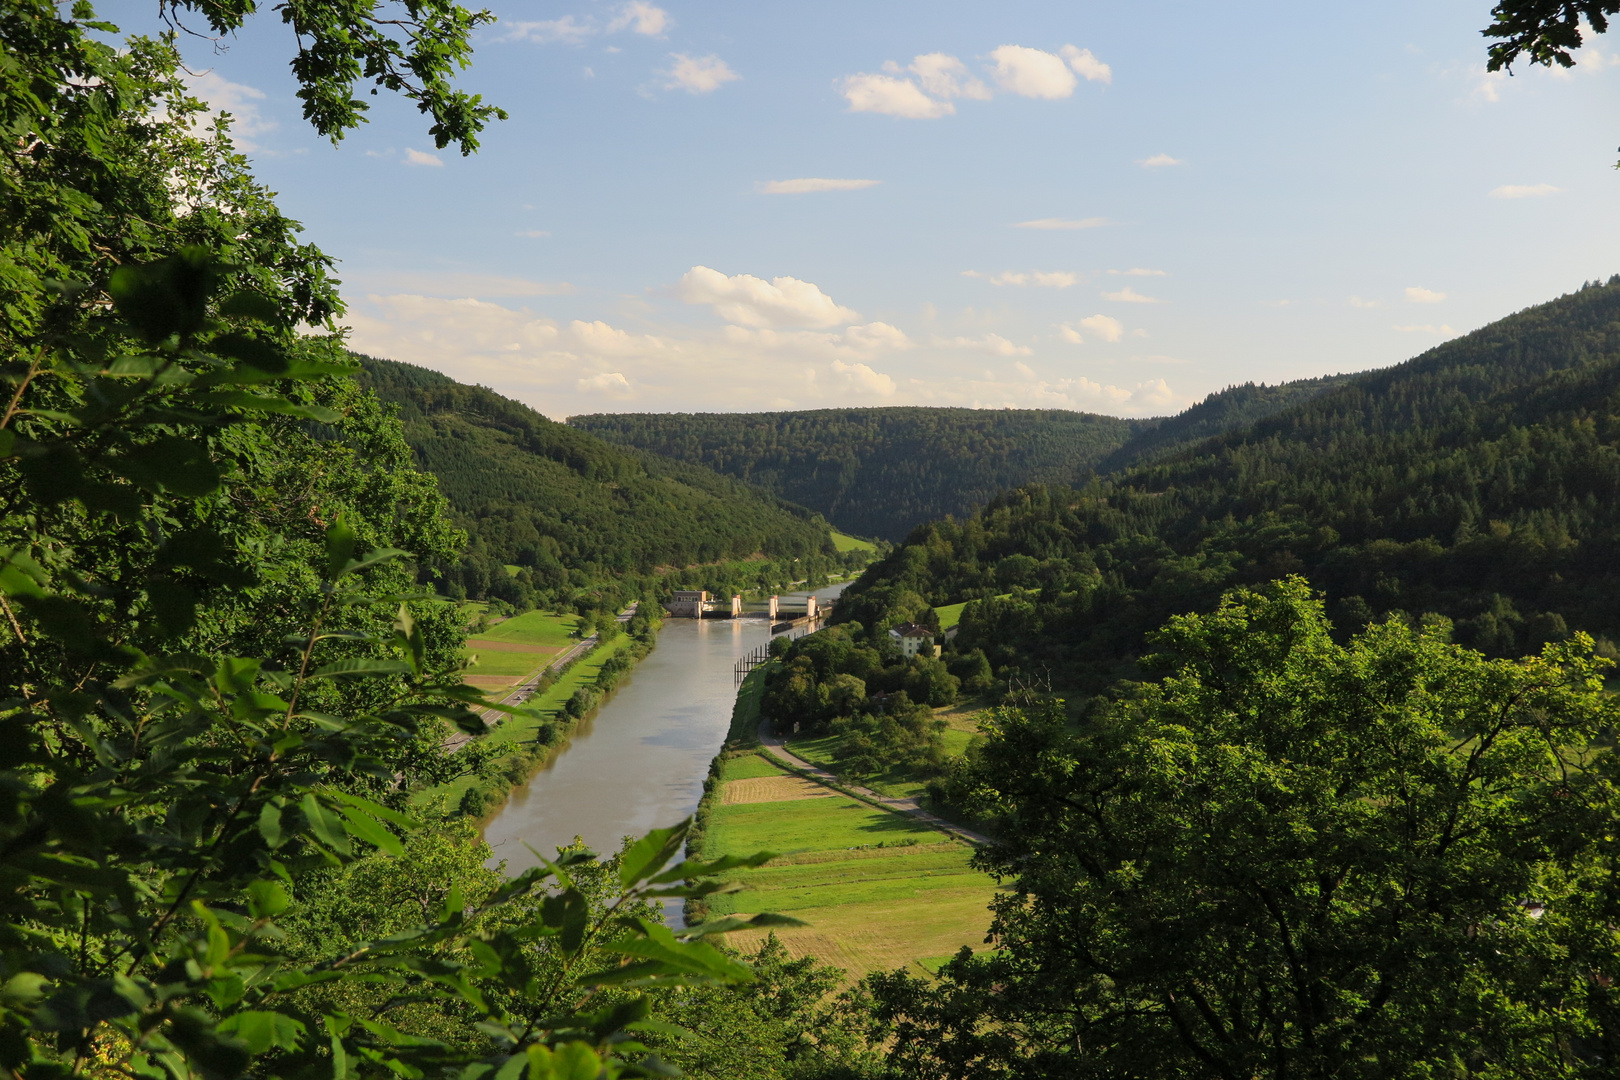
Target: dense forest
[1477, 485]
[877, 472]
[569, 511]
[881, 472]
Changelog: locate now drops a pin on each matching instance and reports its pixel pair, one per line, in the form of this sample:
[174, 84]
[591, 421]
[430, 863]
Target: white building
[913, 639]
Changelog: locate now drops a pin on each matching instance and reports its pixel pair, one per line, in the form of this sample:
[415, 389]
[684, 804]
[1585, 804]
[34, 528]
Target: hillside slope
[1479, 482]
[883, 471]
[877, 472]
[567, 507]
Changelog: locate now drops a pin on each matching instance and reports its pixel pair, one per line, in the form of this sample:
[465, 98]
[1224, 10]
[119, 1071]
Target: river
[641, 761]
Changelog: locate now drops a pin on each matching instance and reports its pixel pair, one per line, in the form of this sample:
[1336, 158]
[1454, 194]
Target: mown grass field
[950, 615]
[843, 542]
[879, 890]
[535, 628]
[511, 651]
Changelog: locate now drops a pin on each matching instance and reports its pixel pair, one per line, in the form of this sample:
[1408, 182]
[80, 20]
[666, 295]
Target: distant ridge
[882, 471]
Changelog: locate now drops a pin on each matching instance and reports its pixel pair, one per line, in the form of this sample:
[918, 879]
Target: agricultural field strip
[548, 704]
[860, 899]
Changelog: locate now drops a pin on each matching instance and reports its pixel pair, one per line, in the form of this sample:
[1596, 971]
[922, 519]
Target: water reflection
[641, 761]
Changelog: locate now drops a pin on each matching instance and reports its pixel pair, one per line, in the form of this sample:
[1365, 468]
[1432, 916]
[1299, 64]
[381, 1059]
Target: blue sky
[1108, 207]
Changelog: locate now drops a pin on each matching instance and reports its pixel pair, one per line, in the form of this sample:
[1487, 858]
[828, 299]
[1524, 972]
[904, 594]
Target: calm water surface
[640, 763]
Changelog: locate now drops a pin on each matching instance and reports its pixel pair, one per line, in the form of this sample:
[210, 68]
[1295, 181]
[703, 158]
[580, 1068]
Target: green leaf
[570, 1061]
[250, 350]
[173, 605]
[663, 954]
[166, 298]
[267, 899]
[171, 464]
[649, 855]
[372, 832]
[568, 912]
[8, 439]
[736, 922]
[54, 474]
[340, 541]
[327, 826]
[372, 558]
[377, 810]
[358, 668]
[241, 399]
[264, 1031]
[270, 825]
[247, 304]
[24, 989]
[696, 868]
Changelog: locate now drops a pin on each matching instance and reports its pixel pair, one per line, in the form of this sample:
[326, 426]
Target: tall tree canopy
[1294, 858]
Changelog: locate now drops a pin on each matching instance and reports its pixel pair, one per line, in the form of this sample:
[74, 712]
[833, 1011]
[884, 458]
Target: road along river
[640, 763]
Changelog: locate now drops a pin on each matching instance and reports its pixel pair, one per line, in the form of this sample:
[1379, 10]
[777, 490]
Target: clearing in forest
[879, 890]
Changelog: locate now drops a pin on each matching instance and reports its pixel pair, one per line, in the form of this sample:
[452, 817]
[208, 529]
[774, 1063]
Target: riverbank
[879, 889]
[521, 744]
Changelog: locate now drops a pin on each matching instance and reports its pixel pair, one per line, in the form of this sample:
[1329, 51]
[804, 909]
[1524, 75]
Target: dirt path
[777, 746]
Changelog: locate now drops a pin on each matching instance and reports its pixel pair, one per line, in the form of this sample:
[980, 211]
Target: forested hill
[881, 472]
[1479, 482]
[877, 472]
[1232, 408]
[566, 507]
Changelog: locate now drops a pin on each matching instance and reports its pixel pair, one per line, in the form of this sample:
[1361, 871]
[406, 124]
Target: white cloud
[1032, 73]
[1358, 302]
[610, 383]
[860, 378]
[642, 18]
[994, 344]
[1085, 65]
[878, 335]
[533, 234]
[1159, 161]
[238, 99]
[578, 366]
[813, 183]
[1524, 191]
[1140, 271]
[1104, 326]
[1054, 279]
[1128, 295]
[1417, 295]
[418, 157]
[699, 75]
[945, 76]
[940, 78]
[892, 97]
[1441, 330]
[749, 301]
[1061, 223]
[566, 29]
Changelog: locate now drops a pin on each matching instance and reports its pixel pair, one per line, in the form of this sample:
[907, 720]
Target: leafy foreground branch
[161, 800]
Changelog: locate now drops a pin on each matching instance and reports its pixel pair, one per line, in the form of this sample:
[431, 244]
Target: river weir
[640, 762]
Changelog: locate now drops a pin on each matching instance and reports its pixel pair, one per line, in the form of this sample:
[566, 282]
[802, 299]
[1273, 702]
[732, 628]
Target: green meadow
[535, 628]
[844, 542]
[877, 889]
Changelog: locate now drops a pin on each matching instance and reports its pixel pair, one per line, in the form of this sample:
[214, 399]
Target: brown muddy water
[640, 763]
